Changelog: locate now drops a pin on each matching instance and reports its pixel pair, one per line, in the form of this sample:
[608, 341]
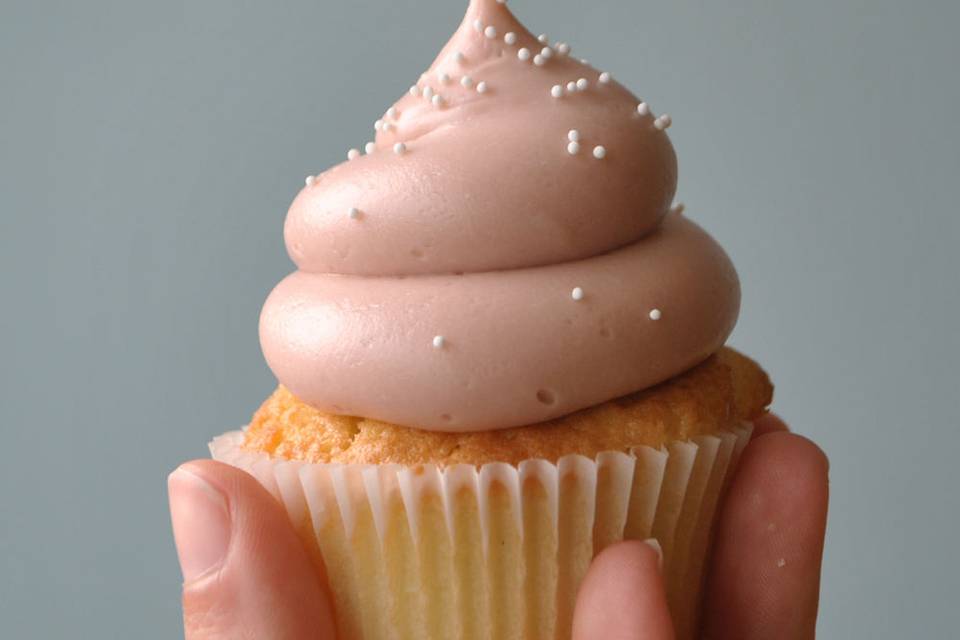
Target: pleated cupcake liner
[496, 552]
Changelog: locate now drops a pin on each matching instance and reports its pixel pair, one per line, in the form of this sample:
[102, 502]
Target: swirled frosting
[504, 253]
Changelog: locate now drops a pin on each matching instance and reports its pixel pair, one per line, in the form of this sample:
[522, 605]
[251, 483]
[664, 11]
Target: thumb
[622, 596]
[246, 574]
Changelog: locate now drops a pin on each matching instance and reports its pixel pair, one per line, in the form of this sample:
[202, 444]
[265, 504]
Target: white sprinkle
[655, 314]
[414, 91]
[556, 91]
[577, 294]
[582, 84]
[369, 148]
[438, 342]
[643, 109]
[524, 54]
[482, 87]
[663, 122]
[459, 57]
[428, 92]
[466, 81]
[599, 152]
[546, 52]
[386, 127]
[781, 563]
[444, 78]
[584, 61]
[501, 1]
[543, 38]
[354, 213]
[310, 180]
[510, 38]
[353, 154]
[399, 148]
[437, 101]
[392, 112]
[478, 25]
[377, 125]
[563, 48]
[571, 87]
[573, 135]
[490, 32]
[604, 77]
[678, 209]
[573, 148]
[539, 60]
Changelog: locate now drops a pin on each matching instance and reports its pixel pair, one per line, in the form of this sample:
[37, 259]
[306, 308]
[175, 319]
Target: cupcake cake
[502, 351]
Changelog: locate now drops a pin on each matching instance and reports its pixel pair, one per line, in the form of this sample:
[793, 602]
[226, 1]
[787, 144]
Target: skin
[764, 581]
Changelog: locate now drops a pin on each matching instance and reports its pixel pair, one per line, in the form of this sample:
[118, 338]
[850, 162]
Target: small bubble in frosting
[547, 397]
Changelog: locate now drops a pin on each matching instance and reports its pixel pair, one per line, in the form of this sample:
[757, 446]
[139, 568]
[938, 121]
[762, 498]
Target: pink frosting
[487, 273]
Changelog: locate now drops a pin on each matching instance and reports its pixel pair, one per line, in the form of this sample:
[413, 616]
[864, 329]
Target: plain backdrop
[149, 151]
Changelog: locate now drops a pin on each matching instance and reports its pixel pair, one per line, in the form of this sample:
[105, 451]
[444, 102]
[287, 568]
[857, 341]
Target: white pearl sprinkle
[501, 1]
[510, 38]
[482, 87]
[414, 91]
[524, 54]
[577, 294]
[543, 38]
[582, 84]
[478, 25]
[573, 135]
[643, 109]
[392, 112]
[428, 92]
[353, 154]
[369, 148]
[604, 77]
[490, 32]
[678, 209]
[399, 148]
[655, 314]
[377, 125]
[571, 87]
[539, 60]
[663, 122]
[573, 148]
[556, 91]
[459, 57]
[444, 78]
[354, 213]
[310, 180]
[563, 48]
[599, 152]
[386, 127]
[439, 342]
[546, 52]
[437, 101]
[466, 81]
[584, 61]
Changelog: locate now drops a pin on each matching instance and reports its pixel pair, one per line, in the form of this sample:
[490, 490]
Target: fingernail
[201, 523]
[653, 544]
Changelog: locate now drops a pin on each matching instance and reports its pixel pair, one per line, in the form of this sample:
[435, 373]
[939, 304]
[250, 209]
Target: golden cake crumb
[714, 396]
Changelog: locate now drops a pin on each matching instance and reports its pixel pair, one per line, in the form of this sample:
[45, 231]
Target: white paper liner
[496, 552]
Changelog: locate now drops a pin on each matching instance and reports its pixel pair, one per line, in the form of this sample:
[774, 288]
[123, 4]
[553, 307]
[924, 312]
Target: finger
[765, 576]
[622, 596]
[246, 574]
[768, 423]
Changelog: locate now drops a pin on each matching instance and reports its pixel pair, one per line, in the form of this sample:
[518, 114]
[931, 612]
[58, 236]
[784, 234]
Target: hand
[764, 581]
[246, 575]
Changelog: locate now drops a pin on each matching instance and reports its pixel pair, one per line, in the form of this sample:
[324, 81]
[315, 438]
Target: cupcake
[501, 352]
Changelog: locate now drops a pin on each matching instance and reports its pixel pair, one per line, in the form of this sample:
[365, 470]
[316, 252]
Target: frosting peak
[502, 253]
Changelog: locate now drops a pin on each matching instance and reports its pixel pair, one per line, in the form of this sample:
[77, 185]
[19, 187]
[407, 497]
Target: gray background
[149, 150]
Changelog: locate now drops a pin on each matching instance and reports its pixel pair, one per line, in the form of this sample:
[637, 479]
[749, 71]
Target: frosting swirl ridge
[502, 254]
